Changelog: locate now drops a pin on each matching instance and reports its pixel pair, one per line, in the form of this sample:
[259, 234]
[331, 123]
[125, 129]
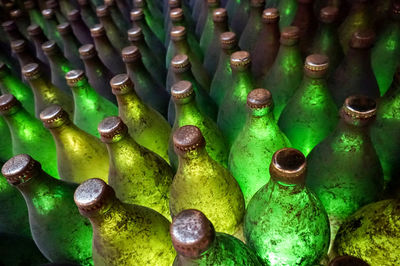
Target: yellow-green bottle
[146, 126]
[123, 234]
[80, 156]
[201, 183]
[138, 175]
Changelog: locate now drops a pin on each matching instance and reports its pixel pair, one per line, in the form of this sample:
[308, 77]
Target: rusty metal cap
[121, 84]
[64, 28]
[180, 63]
[290, 35]
[50, 47]
[329, 14]
[174, 4]
[220, 15]
[17, 13]
[188, 138]
[54, 116]
[34, 30]
[74, 76]
[137, 14]
[228, 40]
[176, 14]
[130, 54]
[9, 25]
[240, 60]
[135, 34]
[257, 3]
[362, 39]
[74, 15]
[347, 261]
[20, 169]
[191, 233]
[270, 15]
[8, 104]
[18, 46]
[182, 90]
[359, 107]
[139, 3]
[31, 71]
[87, 51]
[102, 11]
[97, 30]
[29, 4]
[178, 33]
[112, 129]
[259, 98]
[316, 65]
[288, 165]
[48, 13]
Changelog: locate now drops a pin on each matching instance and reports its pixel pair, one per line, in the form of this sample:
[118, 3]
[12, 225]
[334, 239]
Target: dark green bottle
[37, 36]
[206, 30]
[253, 27]
[153, 17]
[87, 12]
[122, 22]
[71, 45]
[287, 9]
[50, 27]
[34, 13]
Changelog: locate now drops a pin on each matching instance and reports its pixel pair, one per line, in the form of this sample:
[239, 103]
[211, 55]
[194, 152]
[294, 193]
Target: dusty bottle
[34, 13]
[198, 8]
[153, 18]
[240, 17]
[22, 20]
[186, 14]
[38, 38]
[58, 230]
[138, 175]
[253, 26]
[54, 5]
[24, 55]
[90, 107]
[122, 22]
[201, 183]
[79, 27]
[232, 111]
[255, 144]
[206, 30]
[71, 45]
[146, 126]
[50, 28]
[288, 9]
[197, 243]
[75, 159]
[88, 15]
[12, 33]
[347, 261]
[311, 114]
[299, 216]
[122, 7]
[123, 234]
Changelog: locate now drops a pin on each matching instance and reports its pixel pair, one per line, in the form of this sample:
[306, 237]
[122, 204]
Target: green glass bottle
[219, 87]
[232, 111]
[71, 45]
[146, 126]
[90, 107]
[79, 27]
[201, 183]
[50, 26]
[372, 233]
[253, 27]
[255, 144]
[285, 75]
[21, 19]
[285, 223]
[123, 234]
[386, 50]
[34, 13]
[311, 114]
[28, 135]
[118, 17]
[87, 12]
[55, 6]
[154, 20]
[344, 170]
[184, 19]
[138, 175]
[58, 230]
[44, 91]
[25, 55]
[37, 37]
[287, 10]
[77, 151]
[206, 30]
[188, 113]
[196, 242]
[6, 149]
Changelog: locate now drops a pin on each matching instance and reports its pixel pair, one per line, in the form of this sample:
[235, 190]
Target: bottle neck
[242, 81]
[119, 150]
[25, 58]
[359, 58]
[39, 40]
[181, 47]
[219, 28]
[389, 107]
[187, 111]
[129, 103]
[271, 32]
[103, 45]
[65, 133]
[84, 96]
[285, 189]
[314, 84]
[111, 215]
[95, 67]
[41, 86]
[21, 123]
[261, 118]
[288, 54]
[108, 23]
[196, 156]
[137, 68]
[58, 61]
[185, 75]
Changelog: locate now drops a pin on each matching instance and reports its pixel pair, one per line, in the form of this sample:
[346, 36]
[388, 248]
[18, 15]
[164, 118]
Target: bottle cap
[176, 14]
[213, 3]
[130, 54]
[137, 14]
[54, 116]
[288, 165]
[188, 138]
[290, 35]
[74, 76]
[228, 40]
[87, 51]
[29, 4]
[48, 13]
[139, 3]
[50, 47]
[97, 30]
[20, 168]
[112, 129]
[259, 98]
[180, 63]
[174, 4]
[182, 90]
[121, 84]
[316, 65]
[328, 14]
[240, 60]
[53, 4]
[257, 3]
[191, 233]
[8, 104]
[362, 39]
[347, 261]
[358, 108]
[64, 28]
[102, 11]
[109, 2]
[93, 195]
[270, 15]
[18, 46]
[9, 25]
[34, 30]
[74, 15]
[31, 71]
[220, 15]
[396, 9]
[17, 13]
[135, 34]
[178, 33]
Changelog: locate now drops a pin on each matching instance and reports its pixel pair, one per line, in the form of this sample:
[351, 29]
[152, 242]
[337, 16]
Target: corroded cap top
[347, 261]
[16, 13]
[191, 233]
[8, 104]
[358, 108]
[74, 76]
[220, 15]
[18, 46]
[9, 25]
[182, 90]
[64, 28]
[121, 84]
[176, 14]
[135, 34]
[290, 35]
[270, 15]
[31, 71]
[259, 98]
[180, 63]
[20, 168]
[288, 165]
[137, 14]
[74, 15]
[34, 30]
[257, 3]
[87, 51]
[50, 47]
[240, 60]
[174, 4]
[112, 129]
[48, 13]
[188, 138]
[228, 40]
[102, 11]
[328, 14]
[97, 30]
[362, 39]
[178, 33]
[29, 4]
[53, 116]
[130, 54]
[316, 65]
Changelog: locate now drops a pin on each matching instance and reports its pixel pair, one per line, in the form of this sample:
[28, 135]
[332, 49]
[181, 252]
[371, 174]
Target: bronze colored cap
[17, 13]
[18, 46]
[178, 33]
[20, 168]
[112, 129]
[31, 71]
[359, 107]
[50, 47]
[8, 103]
[121, 84]
[174, 4]
[87, 51]
[240, 60]
[347, 261]
[329, 14]
[288, 165]
[74, 15]
[137, 14]
[220, 15]
[176, 14]
[64, 28]
[109, 2]
[188, 138]
[48, 13]
[74, 76]
[135, 34]
[102, 11]
[290, 35]
[53, 4]
[180, 63]
[362, 39]
[212, 3]
[257, 3]
[29, 4]
[53, 116]
[9, 25]
[97, 30]
[316, 65]
[228, 40]
[259, 98]
[139, 3]
[92, 195]
[182, 90]
[270, 15]
[130, 54]
[34, 30]
[191, 233]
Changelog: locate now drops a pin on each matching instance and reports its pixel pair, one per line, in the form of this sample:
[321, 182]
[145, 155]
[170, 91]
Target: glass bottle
[138, 175]
[90, 107]
[344, 169]
[255, 144]
[232, 111]
[266, 43]
[54, 5]
[186, 16]
[12, 32]
[71, 45]
[110, 56]
[38, 38]
[347, 261]
[198, 8]
[34, 13]
[285, 75]
[154, 18]
[203, 184]
[25, 56]
[88, 15]
[59, 231]
[6, 150]
[81, 31]
[188, 113]
[123, 234]
[50, 28]
[97, 73]
[117, 16]
[240, 17]
[253, 26]
[146, 87]
[311, 114]
[77, 151]
[205, 25]
[146, 126]
[355, 75]
[22, 21]
[197, 243]
[219, 86]
[298, 231]
[287, 10]
[307, 23]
